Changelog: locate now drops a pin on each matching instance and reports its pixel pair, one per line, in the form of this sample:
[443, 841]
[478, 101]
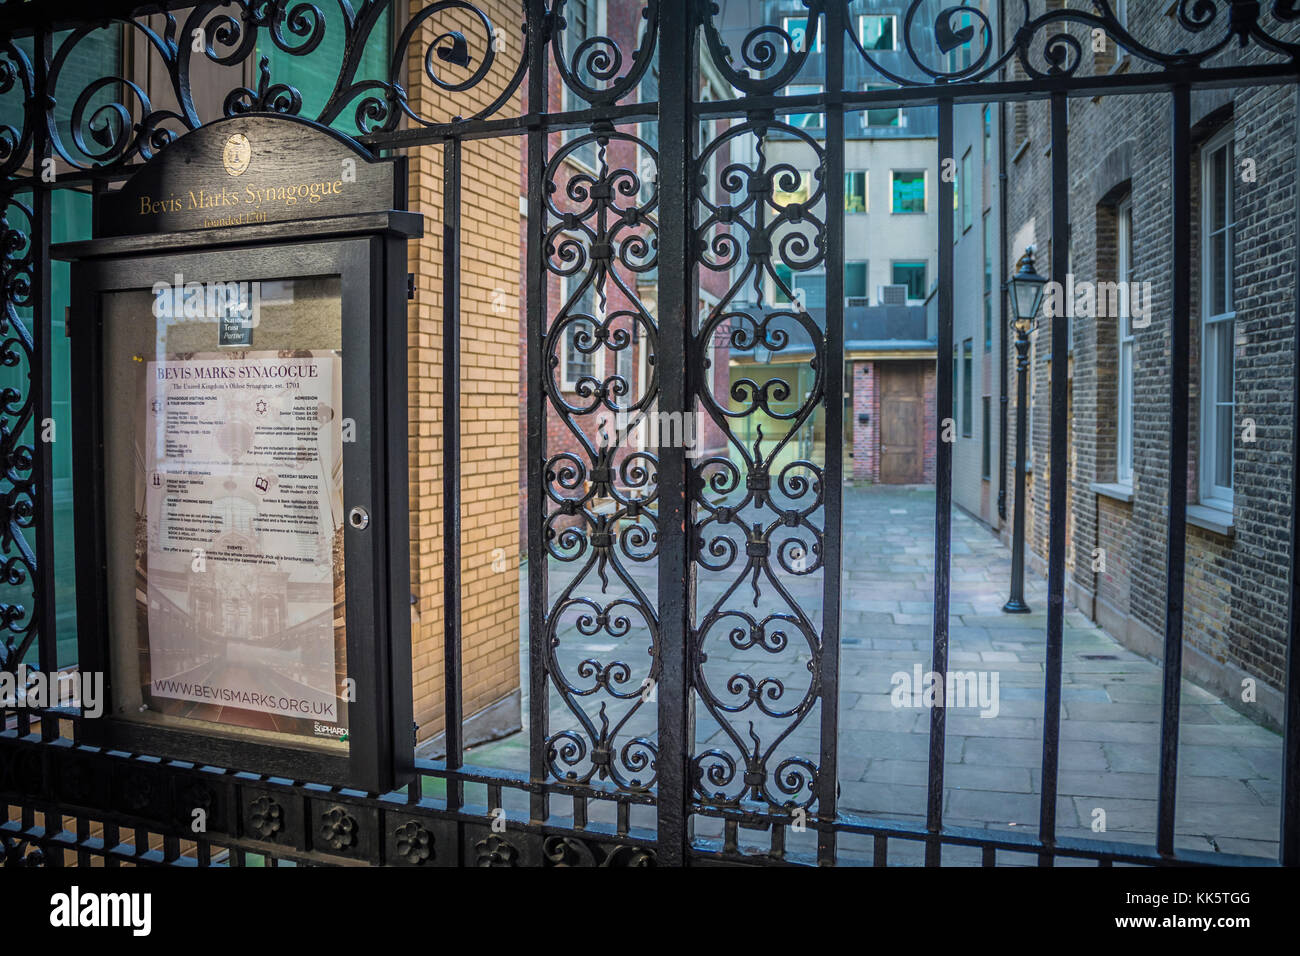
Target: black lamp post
[1026, 291]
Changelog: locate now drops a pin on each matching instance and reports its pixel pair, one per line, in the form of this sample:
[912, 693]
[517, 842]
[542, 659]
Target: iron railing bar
[534, 335]
[451, 504]
[833, 464]
[43, 340]
[673, 359]
[1056, 501]
[943, 481]
[1289, 850]
[739, 107]
[1076, 87]
[1176, 540]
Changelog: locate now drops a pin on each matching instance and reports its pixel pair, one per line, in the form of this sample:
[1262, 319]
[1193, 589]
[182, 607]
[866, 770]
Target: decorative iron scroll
[769, 58]
[18, 623]
[758, 507]
[114, 122]
[601, 485]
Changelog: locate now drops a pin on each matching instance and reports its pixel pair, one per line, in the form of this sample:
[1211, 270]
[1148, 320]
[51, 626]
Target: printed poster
[240, 458]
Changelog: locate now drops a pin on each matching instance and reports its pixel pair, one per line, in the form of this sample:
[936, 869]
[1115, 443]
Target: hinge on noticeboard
[410, 285]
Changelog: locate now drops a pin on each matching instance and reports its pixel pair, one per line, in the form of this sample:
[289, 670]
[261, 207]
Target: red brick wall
[929, 384]
[866, 441]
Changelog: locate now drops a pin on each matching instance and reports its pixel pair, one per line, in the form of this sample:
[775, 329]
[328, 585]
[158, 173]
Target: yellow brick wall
[488, 386]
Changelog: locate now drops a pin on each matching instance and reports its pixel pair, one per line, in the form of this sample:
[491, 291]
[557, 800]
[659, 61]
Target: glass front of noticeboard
[223, 453]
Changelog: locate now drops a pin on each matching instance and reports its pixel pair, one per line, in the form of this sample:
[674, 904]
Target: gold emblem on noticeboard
[237, 154]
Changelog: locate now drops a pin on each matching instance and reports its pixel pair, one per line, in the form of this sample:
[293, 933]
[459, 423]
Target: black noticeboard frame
[366, 249]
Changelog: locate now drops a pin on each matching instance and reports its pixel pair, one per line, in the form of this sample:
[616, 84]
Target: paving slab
[1229, 767]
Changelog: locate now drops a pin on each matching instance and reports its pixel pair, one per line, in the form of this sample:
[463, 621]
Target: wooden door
[902, 420]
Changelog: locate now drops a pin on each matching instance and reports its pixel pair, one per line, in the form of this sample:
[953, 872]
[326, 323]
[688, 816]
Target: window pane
[799, 29]
[784, 275]
[855, 192]
[912, 275]
[813, 285]
[1218, 274]
[987, 432]
[1219, 199]
[876, 33]
[909, 192]
[968, 184]
[968, 375]
[855, 279]
[799, 194]
[1223, 356]
[804, 120]
[1223, 403]
[1124, 467]
[1223, 447]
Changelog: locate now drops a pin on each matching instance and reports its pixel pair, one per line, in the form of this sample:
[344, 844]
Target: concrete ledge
[498, 719]
[1113, 490]
[1210, 519]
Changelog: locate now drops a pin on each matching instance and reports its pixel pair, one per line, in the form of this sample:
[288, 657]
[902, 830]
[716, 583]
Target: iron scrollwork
[759, 505]
[114, 122]
[601, 238]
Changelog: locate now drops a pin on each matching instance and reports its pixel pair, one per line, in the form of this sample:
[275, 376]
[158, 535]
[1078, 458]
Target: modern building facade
[890, 240]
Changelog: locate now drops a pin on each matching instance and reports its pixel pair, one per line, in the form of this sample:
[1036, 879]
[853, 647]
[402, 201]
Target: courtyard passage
[1229, 766]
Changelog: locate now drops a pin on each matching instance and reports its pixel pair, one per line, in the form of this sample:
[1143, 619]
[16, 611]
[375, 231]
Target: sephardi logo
[77, 909]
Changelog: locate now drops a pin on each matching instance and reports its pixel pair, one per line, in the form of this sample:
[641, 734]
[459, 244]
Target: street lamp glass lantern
[1026, 288]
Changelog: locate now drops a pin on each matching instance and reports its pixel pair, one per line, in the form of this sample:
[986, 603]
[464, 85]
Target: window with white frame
[907, 188]
[1123, 273]
[578, 358]
[884, 117]
[804, 120]
[584, 19]
[647, 168]
[801, 192]
[799, 29]
[1218, 312]
[968, 189]
[959, 58]
[855, 191]
[877, 32]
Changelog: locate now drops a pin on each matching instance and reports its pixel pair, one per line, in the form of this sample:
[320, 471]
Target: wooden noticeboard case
[238, 339]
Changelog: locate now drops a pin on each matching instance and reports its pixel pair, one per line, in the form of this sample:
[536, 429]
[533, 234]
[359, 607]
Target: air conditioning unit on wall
[891, 294]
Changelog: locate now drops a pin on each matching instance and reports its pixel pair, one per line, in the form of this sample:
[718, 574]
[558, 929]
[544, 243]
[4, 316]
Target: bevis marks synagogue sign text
[240, 580]
[244, 172]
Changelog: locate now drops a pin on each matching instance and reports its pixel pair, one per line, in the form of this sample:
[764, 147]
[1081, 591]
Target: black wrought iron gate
[628, 784]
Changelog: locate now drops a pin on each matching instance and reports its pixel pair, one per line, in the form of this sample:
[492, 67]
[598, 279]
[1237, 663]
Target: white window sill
[1216, 519]
[1115, 490]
